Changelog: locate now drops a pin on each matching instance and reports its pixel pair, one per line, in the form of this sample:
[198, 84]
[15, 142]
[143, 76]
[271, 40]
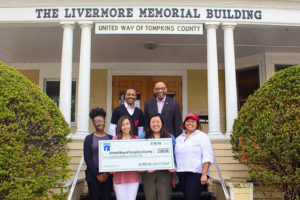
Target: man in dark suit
[168, 108]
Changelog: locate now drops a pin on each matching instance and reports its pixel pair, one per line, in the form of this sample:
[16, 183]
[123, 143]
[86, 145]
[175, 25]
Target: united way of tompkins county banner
[120, 14]
[139, 28]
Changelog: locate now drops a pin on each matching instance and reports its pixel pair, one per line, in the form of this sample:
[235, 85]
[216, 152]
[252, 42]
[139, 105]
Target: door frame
[144, 72]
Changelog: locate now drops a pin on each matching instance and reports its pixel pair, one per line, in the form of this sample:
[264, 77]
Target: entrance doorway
[144, 86]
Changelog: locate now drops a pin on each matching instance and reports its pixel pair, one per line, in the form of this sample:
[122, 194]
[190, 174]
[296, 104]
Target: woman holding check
[158, 183]
[193, 155]
[126, 184]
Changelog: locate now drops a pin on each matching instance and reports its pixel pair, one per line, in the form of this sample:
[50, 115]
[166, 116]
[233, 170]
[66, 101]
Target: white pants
[126, 191]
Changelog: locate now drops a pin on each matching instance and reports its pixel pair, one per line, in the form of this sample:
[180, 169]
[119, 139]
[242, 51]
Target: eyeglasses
[99, 122]
[158, 89]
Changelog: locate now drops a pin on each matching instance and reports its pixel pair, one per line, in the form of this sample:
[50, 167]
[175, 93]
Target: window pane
[279, 67]
[52, 90]
[73, 101]
[247, 83]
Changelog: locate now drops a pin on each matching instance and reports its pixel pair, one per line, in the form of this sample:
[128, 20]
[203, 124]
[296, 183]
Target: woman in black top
[99, 184]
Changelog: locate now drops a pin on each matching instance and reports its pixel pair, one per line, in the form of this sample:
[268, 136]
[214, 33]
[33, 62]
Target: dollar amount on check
[135, 155]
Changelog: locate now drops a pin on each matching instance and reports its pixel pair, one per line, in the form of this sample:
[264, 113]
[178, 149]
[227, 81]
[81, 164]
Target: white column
[84, 79]
[230, 77]
[212, 80]
[65, 94]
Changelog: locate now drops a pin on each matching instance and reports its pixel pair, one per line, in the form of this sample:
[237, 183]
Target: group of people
[161, 119]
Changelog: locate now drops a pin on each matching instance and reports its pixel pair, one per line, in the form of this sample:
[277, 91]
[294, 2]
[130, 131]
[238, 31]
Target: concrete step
[176, 195]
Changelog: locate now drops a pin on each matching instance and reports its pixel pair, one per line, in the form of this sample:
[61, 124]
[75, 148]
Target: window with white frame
[52, 90]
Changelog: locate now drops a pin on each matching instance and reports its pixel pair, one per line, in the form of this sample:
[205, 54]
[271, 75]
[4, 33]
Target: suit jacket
[170, 114]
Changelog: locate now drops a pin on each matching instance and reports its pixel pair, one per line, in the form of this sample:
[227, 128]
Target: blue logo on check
[106, 147]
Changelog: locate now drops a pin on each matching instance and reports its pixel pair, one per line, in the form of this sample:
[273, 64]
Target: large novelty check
[135, 155]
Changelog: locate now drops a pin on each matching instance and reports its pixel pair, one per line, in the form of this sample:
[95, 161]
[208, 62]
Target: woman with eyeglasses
[99, 184]
[126, 184]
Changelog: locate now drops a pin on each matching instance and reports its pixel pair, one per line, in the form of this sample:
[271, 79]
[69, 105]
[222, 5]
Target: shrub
[33, 154]
[266, 134]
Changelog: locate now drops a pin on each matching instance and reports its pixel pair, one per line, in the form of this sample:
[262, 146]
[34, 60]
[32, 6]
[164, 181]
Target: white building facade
[87, 46]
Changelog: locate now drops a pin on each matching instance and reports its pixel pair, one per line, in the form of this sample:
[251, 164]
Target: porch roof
[43, 43]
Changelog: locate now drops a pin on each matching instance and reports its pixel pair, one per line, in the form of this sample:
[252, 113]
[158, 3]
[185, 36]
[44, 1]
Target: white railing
[74, 182]
[221, 180]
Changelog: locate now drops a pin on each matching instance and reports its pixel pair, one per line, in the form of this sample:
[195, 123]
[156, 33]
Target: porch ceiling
[42, 43]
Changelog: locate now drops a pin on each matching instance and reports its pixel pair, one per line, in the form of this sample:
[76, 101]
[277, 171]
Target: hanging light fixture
[150, 45]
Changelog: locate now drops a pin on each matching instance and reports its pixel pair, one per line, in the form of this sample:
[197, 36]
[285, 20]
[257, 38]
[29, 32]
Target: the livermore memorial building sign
[153, 14]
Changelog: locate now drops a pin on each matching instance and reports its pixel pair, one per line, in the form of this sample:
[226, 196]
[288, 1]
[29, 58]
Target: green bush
[266, 134]
[33, 153]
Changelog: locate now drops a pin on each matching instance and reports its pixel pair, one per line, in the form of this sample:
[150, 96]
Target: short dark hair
[130, 89]
[97, 112]
[163, 132]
